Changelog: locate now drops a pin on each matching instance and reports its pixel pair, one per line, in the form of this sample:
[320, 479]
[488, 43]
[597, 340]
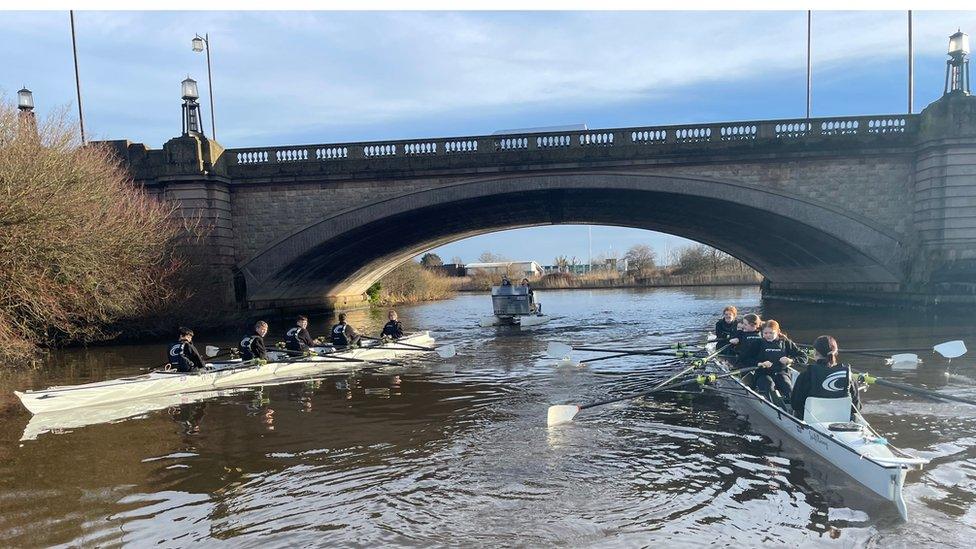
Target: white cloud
[293, 73]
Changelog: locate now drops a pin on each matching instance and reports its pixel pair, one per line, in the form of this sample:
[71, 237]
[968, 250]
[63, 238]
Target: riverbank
[564, 281]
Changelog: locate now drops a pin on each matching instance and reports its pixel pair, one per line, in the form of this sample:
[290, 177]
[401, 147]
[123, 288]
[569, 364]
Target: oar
[444, 351]
[870, 380]
[906, 359]
[564, 413]
[562, 351]
[556, 349]
[328, 356]
[948, 349]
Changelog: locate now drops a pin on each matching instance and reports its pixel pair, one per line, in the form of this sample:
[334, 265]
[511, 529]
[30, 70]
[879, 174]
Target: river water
[456, 452]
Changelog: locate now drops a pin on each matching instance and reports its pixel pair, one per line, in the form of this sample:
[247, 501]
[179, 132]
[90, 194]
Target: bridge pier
[943, 269]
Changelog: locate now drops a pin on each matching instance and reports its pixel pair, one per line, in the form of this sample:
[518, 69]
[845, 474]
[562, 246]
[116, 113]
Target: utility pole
[74, 49]
[809, 65]
[911, 67]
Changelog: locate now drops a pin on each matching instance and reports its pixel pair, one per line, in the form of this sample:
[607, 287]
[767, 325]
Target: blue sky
[323, 77]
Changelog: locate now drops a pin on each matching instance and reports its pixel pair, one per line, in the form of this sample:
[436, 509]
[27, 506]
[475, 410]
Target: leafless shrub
[81, 245]
[411, 283]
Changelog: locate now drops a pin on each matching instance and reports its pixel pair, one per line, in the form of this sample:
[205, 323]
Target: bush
[411, 283]
[80, 247]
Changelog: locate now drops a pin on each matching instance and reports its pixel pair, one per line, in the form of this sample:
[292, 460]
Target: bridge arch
[798, 244]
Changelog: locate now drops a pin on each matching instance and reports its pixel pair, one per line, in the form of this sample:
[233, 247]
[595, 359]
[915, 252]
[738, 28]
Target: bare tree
[430, 260]
[640, 258]
[490, 257]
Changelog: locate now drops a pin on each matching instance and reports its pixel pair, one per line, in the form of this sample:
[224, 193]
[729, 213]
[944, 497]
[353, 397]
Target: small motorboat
[515, 306]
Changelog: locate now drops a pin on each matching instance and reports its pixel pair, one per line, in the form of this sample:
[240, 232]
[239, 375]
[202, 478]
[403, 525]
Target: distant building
[611, 264]
[450, 269]
[522, 268]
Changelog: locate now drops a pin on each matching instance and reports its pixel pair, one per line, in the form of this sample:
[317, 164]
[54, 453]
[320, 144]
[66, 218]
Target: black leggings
[781, 380]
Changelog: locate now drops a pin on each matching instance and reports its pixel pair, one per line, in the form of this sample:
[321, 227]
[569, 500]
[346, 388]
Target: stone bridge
[863, 208]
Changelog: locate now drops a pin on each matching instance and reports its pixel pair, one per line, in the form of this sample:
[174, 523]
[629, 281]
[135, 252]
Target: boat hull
[863, 456]
[159, 383]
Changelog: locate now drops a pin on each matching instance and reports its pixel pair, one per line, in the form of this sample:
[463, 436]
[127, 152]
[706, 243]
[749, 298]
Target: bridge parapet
[650, 139]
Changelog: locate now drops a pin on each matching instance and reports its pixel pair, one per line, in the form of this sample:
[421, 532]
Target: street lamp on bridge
[199, 44]
[957, 67]
[191, 109]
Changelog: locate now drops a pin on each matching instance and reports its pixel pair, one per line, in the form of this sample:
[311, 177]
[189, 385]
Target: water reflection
[457, 452]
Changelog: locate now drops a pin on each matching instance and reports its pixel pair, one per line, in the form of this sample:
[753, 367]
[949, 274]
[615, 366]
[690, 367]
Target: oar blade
[558, 350]
[905, 361]
[446, 351]
[561, 413]
[951, 349]
[211, 350]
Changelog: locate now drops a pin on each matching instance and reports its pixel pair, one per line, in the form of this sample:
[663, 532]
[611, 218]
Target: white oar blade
[558, 350]
[488, 321]
[446, 351]
[906, 361]
[951, 349]
[561, 413]
[211, 350]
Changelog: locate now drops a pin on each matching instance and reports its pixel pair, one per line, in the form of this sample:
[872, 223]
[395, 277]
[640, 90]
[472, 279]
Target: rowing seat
[827, 410]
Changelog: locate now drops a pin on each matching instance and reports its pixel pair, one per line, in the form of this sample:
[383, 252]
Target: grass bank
[410, 283]
[566, 281]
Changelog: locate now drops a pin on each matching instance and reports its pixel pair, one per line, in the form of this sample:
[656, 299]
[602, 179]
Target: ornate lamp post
[199, 44]
[957, 67]
[191, 109]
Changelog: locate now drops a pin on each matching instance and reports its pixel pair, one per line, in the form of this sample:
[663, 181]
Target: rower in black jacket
[726, 327]
[298, 339]
[824, 378]
[393, 329]
[746, 341]
[252, 346]
[344, 335]
[183, 356]
[774, 354]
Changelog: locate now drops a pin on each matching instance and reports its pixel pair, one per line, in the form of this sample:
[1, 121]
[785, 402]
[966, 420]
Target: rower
[297, 338]
[506, 281]
[393, 329]
[825, 378]
[746, 339]
[344, 335]
[775, 353]
[252, 346]
[726, 327]
[532, 304]
[183, 356]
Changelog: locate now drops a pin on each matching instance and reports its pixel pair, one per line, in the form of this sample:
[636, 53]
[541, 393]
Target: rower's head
[301, 321]
[770, 330]
[751, 322]
[391, 315]
[342, 318]
[825, 349]
[729, 313]
[261, 328]
[525, 282]
[186, 334]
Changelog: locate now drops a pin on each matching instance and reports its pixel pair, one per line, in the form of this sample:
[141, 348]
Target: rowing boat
[217, 375]
[850, 444]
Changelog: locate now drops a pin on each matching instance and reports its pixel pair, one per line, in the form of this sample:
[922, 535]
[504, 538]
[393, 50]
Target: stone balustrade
[647, 138]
